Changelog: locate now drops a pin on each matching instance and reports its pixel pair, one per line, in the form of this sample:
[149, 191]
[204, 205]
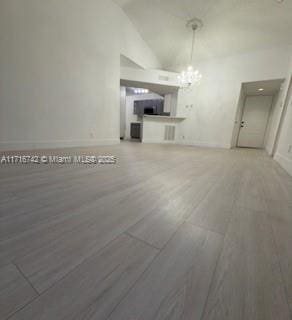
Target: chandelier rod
[194, 28]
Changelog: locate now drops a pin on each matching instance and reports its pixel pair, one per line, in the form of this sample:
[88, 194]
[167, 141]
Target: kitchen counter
[161, 129]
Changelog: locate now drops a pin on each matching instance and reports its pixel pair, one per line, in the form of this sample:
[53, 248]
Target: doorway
[135, 103]
[254, 121]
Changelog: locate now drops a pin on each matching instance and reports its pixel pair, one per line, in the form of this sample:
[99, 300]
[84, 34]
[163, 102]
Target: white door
[254, 121]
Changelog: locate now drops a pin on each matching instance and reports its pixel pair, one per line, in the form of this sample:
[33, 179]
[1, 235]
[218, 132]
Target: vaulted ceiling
[230, 26]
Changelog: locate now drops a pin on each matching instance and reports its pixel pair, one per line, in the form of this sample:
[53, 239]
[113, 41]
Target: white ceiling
[271, 87]
[128, 63]
[230, 26]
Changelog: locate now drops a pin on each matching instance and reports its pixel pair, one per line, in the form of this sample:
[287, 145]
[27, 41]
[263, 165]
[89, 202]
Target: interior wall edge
[50, 144]
[284, 162]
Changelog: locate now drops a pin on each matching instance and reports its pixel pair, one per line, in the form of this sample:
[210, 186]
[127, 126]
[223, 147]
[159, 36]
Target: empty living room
[145, 160]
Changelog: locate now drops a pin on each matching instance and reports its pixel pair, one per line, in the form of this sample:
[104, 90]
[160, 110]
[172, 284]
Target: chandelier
[189, 77]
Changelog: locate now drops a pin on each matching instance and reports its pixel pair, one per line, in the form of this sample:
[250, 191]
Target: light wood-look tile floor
[168, 233]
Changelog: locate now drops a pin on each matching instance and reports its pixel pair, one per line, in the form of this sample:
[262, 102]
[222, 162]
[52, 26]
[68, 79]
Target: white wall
[122, 112]
[284, 149]
[273, 123]
[238, 117]
[60, 71]
[130, 116]
[212, 105]
[167, 103]
[170, 103]
[161, 77]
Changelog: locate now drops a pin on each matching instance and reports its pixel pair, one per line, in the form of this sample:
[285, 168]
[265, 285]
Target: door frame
[242, 113]
[286, 99]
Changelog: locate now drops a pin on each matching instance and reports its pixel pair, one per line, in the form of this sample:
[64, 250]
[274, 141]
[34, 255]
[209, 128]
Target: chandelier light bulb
[189, 77]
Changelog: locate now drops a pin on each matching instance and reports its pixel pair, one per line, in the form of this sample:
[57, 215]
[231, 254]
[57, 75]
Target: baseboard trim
[205, 144]
[284, 162]
[190, 143]
[269, 152]
[32, 145]
[158, 141]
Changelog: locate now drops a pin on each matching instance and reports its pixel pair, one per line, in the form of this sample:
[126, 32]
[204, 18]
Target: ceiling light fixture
[260, 89]
[189, 77]
[141, 91]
